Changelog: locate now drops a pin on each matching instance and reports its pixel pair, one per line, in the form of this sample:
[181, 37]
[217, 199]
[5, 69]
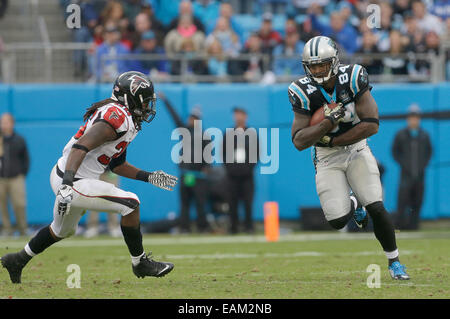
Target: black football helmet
[135, 90]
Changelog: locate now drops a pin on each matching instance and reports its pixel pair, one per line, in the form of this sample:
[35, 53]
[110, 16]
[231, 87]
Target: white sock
[29, 251]
[135, 260]
[391, 254]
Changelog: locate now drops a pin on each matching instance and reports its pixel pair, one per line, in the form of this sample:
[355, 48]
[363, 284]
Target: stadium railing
[54, 62]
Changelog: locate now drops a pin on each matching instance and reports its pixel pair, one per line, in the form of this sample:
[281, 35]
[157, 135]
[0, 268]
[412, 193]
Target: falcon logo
[137, 82]
[113, 116]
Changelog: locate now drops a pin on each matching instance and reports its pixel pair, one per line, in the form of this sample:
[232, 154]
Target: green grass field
[300, 265]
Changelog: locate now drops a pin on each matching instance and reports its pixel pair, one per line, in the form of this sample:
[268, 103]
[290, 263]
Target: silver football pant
[341, 168]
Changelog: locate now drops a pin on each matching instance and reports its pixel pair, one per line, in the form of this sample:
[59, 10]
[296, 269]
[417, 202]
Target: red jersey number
[105, 159]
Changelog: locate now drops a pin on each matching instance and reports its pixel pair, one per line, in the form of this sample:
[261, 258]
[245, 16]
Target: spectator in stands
[165, 10]
[153, 68]
[112, 13]
[226, 11]
[253, 67]
[412, 150]
[394, 64]
[93, 226]
[401, 7]
[217, 63]
[207, 11]
[185, 9]
[228, 39]
[14, 165]
[432, 42]
[344, 34]
[144, 23]
[425, 20]
[269, 37]
[369, 46]
[196, 63]
[414, 43]
[107, 67]
[185, 29]
[306, 31]
[3, 7]
[286, 56]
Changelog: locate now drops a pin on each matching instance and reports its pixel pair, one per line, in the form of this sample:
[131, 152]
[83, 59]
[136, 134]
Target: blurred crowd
[218, 43]
[209, 33]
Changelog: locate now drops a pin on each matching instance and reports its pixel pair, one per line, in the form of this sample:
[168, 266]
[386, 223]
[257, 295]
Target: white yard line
[204, 240]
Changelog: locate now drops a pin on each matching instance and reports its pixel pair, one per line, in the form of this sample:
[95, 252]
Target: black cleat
[149, 267]
[14, 264]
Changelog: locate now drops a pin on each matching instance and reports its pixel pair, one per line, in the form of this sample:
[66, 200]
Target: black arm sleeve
[118, 161]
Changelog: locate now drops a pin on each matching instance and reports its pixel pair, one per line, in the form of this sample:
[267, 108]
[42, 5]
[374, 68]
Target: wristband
[142, 176]
[68, 177]
[80, 147]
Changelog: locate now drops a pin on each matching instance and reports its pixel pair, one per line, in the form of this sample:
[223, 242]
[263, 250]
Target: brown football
[318, 116]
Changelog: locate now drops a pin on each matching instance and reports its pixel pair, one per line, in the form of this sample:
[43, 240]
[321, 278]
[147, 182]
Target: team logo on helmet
[137, 82]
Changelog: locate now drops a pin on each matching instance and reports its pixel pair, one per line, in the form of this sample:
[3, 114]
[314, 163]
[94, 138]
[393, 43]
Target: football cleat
[14, 264]
[398, 271]
[148, 267]
[360, 215]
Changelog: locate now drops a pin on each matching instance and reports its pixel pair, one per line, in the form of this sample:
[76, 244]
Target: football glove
[64, 198]
[162, 180]
[336, 114]
[327, 140]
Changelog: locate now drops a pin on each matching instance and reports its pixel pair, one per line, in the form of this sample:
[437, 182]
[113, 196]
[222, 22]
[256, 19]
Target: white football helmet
[320, 50]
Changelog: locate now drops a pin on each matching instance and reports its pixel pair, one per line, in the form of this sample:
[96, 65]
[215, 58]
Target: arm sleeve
[118, 161]
[299, 100]
[359, 81]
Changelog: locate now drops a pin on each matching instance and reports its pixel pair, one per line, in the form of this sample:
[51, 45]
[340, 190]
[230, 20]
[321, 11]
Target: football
[318, 116]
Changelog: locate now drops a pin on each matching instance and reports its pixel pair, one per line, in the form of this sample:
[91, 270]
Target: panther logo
[137, 82]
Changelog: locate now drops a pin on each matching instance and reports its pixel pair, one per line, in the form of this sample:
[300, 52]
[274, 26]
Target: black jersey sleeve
[299, 100]
[359, 81]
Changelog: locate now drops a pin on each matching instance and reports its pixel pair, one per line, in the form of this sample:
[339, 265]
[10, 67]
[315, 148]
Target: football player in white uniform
[110, 127]
[341, 155]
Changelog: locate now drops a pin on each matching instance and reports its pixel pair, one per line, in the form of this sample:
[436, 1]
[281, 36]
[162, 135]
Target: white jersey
[98, 159]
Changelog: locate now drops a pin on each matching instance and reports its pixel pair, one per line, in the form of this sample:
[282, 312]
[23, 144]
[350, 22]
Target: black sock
[383, 227]
[42, 240]
[133, 239]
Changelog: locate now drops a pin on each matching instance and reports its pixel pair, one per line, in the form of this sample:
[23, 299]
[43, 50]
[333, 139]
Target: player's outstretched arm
[158, 178]
[303, 135]
[367, 111]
